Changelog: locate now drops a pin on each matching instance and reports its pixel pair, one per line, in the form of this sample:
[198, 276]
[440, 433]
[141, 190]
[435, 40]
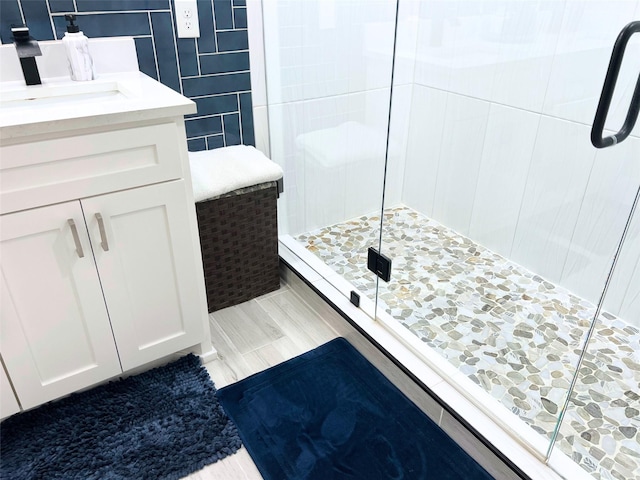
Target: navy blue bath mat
[330, 414]
[162, 424]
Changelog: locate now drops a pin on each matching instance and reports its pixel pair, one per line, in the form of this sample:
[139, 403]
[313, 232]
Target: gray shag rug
[162, 424]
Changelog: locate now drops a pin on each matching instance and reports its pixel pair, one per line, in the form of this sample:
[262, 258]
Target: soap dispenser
[77, 47]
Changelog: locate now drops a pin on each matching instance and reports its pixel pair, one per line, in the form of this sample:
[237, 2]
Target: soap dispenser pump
[77, 47]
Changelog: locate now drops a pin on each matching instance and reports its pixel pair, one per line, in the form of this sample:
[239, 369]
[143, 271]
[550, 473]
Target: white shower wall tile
[398, 138]
[370, 44]
[587, 35]
[435, 44]
[285, 123]
[261, 129]
[503, 54]
[631, 302]
[560, 168]
[527, 43]
[333, 150]
[465, 124]
[624, 293]
[610, 191]
[318, 48]
[406, 42]
[506, 156]
[450, 54]
[428, 108]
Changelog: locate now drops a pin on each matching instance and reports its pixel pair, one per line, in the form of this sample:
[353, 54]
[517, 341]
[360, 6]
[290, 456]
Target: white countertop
[119, 94]
[120, 97]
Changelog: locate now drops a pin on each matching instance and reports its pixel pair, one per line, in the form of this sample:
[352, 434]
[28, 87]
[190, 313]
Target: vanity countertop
[119, 94]
[61, 104]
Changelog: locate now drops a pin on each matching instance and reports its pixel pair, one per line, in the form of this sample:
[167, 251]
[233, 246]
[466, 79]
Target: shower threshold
[505, 339]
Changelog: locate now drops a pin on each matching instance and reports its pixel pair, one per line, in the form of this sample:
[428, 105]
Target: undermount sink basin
[50, 95]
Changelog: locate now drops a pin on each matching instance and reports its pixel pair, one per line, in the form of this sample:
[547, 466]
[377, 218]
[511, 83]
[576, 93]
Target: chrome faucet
[28, 49]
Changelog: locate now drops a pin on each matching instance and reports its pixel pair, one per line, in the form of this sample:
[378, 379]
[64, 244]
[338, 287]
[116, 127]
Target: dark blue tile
[108, 24]
[230, 41]
[215, 141]
[203, 126]
[232, 129]
[240, 17]
[165, 49]
[196, 145]
[188, 57]
[234, 82]
[120, 5]
[207, 41]
[224, 63]
[9, 15]
[215, 105]
[36, 16]
[240, 3]
[146, 57]
[61, 6]
[224, 14]
[246, 115]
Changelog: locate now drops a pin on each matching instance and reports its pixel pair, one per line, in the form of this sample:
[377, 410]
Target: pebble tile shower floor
[512, 332]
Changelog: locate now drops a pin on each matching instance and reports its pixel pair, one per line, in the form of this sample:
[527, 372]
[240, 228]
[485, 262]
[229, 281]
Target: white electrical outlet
[187, 18]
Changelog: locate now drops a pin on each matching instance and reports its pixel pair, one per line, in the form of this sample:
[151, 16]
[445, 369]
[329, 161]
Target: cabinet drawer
[61, 169]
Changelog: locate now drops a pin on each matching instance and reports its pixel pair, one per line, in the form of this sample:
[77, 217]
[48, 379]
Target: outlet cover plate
[187, 18]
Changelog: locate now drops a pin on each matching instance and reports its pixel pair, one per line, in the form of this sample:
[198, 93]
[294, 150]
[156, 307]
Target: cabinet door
[147, 267]
[56, 336]
[8, 403]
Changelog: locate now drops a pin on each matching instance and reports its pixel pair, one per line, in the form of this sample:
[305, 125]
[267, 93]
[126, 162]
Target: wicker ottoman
[239, 242]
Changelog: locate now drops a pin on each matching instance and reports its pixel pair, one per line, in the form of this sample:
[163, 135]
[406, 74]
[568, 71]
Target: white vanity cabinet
[100, 260]
[76, 272]
[56, 336]
[8, 403]
[145, 261]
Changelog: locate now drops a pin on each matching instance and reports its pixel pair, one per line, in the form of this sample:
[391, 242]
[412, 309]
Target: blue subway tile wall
[213, 70]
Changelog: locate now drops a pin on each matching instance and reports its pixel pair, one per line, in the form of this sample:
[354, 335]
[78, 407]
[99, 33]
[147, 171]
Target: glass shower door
[328, 71]
[601, 417]
[504, 227]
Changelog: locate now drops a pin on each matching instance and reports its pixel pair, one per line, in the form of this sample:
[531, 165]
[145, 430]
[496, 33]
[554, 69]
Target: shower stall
[453, 137]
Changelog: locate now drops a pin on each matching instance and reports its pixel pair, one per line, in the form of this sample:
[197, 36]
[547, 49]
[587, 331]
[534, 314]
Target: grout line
[174, 37]
[105, 12]
[195, 40]
[24, 22]
[480, 162]
[217, 94]
[53, 27]
[246, 50]
[153, 44]
[524, 189]
[215, 74]
[240, 120]
[233, 16]
[213, 19]
[208, 116]
[224, 135]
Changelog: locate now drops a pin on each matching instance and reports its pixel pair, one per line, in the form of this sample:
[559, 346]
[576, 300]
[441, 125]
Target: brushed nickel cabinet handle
[103, 234]
[76, 238]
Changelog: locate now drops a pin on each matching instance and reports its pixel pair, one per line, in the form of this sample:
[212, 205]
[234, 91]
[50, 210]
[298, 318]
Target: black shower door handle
[608, 88]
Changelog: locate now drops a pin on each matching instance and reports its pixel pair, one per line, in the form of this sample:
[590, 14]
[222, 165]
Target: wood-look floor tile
[247, 325]
[297, 320]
